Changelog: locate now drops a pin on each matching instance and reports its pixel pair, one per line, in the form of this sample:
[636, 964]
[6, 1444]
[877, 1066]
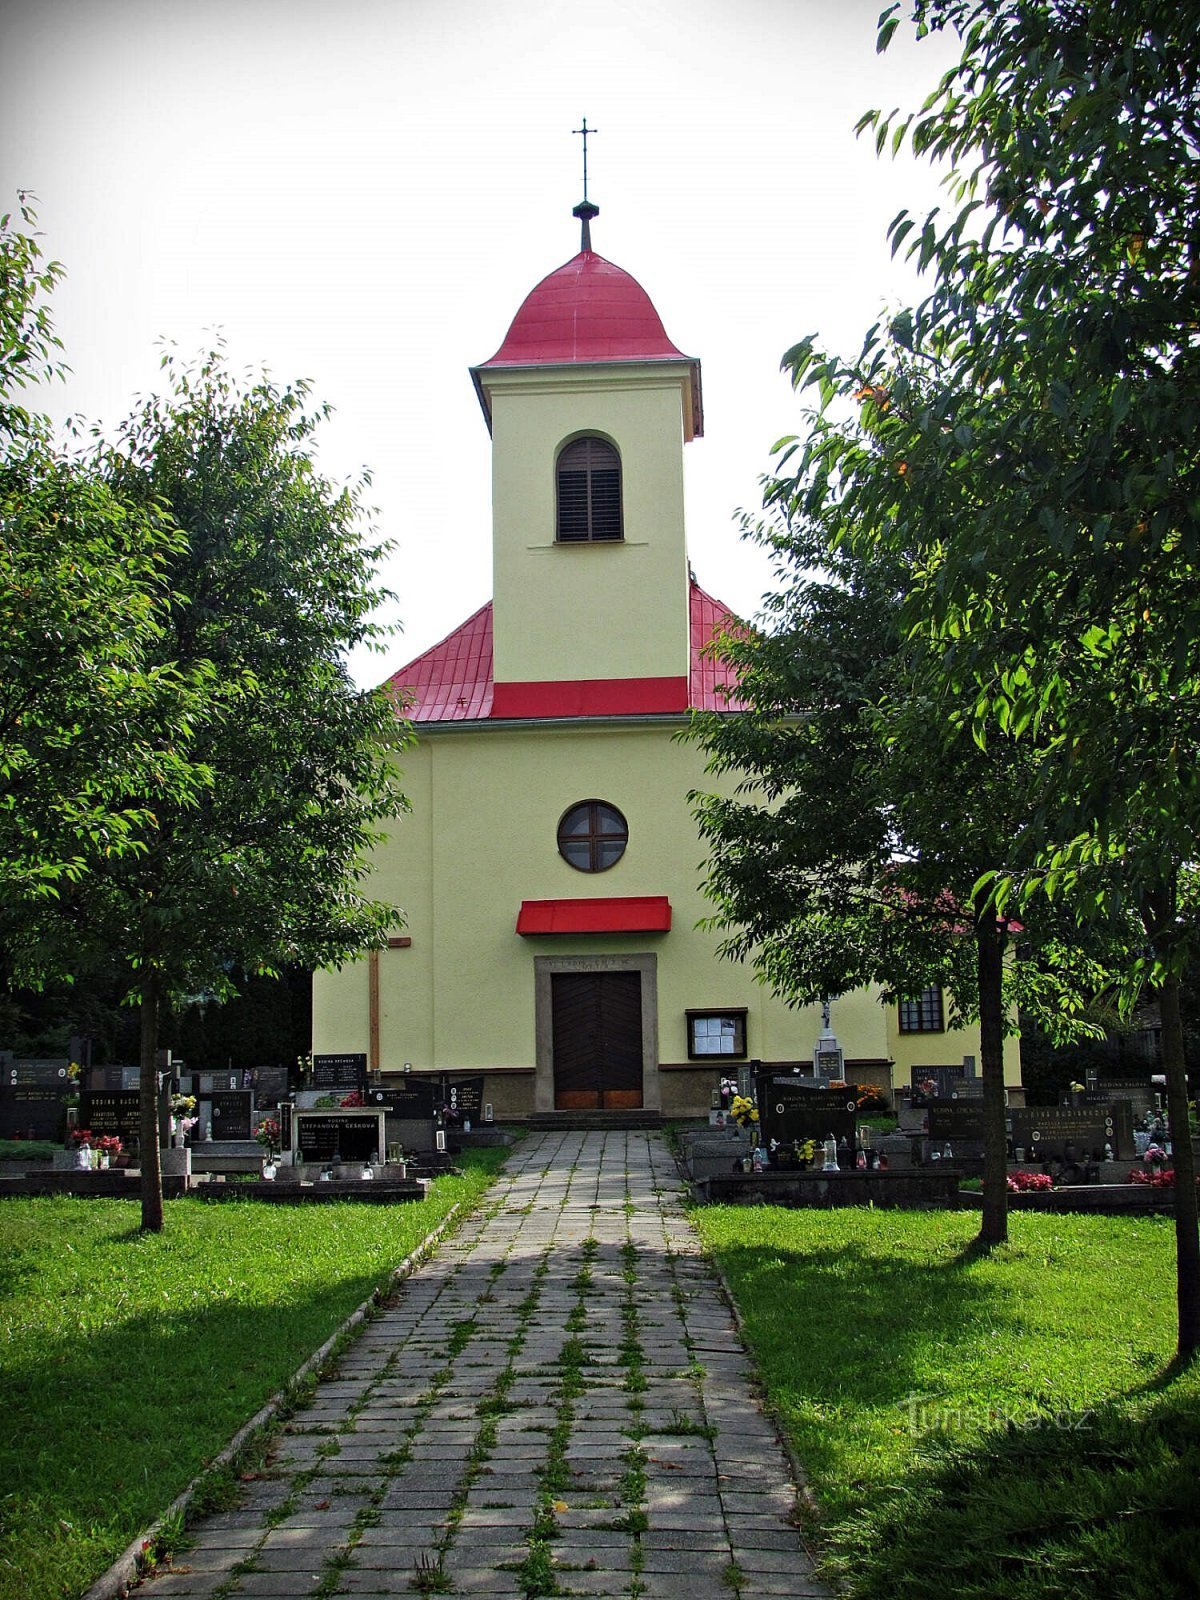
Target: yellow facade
[481, 838]
[467, 993]
[580, 611]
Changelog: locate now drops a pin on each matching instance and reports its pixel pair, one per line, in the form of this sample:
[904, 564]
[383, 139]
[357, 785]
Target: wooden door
[597, 1040]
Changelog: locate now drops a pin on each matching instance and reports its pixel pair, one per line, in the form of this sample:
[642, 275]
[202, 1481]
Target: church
[548, 878]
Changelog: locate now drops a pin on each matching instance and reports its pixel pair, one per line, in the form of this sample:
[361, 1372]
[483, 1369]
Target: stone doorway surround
[544, 968]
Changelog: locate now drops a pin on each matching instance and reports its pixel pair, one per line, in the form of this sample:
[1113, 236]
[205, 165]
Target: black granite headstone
[352, 1138]
[231, 1114]
[464, 1096]
[40, 1073]
[956, 1119]
[1045, 1132]
[413, 1099]
[31, 1111]
[112, 1111]
[345, 1072]
[789, 1108]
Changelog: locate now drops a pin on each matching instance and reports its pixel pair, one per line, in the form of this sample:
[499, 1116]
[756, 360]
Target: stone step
[614, 1121]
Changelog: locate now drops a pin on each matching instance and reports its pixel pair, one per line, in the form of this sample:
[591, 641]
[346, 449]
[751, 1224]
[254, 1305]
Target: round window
[592, 836]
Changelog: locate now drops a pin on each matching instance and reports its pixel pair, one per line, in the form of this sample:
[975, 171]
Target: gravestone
[789, 1108]
[111, 1111]
[464, 1096]
[339, 1072]
[270, 1085]
[1044, 1132]
[322, 1135]
[41, 1073]
[411, 1099]
[30, 1111]
[955, 1120]
[231, 1114]
[945, 1080]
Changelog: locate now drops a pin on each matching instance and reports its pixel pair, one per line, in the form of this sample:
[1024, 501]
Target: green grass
[977, 1425]
[127, 1360]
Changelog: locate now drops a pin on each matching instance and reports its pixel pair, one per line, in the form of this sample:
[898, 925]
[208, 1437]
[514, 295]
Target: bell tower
[589, 406]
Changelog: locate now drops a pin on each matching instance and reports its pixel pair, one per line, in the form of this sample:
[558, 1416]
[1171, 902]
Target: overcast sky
[363, 193]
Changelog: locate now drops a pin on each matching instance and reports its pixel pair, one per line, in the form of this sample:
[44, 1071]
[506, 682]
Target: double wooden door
[597, 1040]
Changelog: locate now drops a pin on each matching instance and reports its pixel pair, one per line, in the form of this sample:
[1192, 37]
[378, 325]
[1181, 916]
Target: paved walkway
[557, 1403]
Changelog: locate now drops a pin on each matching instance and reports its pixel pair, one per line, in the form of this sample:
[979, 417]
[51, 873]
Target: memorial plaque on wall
[788, 1110]
[956, 1119]
[1044, 1132]
[111, 1111]
[352, 1138]
[231, 1114]
[465, 1096]
[340, 1072]
[30, 1111]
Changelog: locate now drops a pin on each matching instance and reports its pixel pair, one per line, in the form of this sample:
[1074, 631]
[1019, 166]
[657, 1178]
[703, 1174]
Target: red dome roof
[587, 310]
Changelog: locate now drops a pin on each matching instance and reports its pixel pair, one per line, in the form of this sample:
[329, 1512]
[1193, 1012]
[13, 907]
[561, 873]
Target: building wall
[589, 611]
[462, 996]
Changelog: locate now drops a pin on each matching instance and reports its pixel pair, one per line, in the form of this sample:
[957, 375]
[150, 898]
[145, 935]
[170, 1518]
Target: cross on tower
[585, 130]
[585, 210]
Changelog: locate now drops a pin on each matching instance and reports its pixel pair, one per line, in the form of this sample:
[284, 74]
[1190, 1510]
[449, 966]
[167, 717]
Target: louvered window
[589, 492]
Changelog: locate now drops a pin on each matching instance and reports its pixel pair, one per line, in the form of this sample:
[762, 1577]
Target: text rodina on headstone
[344, 1072]
[788, 1109]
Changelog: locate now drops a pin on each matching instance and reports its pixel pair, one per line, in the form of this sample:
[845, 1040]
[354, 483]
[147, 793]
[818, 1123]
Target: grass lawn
[127, 1361]
[978, 1426]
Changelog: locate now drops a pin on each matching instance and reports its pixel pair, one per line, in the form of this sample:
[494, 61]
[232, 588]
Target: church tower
[589, 405]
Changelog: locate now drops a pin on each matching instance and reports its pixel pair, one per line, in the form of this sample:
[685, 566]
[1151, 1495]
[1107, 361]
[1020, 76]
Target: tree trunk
[990, 953]
[148, 1128]
[1187, 1239]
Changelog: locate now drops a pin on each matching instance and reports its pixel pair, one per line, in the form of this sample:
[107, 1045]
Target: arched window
[588, 479]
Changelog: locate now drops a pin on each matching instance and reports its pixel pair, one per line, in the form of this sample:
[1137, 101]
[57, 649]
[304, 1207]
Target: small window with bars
[923, 1013]
[588, 480]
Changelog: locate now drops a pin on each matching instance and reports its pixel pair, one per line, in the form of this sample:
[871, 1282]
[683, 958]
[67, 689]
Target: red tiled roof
[452, 681]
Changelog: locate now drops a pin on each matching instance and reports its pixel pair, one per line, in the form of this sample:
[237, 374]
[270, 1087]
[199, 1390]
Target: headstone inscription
[789, 1108]
[270, 1085]
[411, 1099]
[112, 1111]
[945, 1081]
[464, 1096]
[231, 1114]
[45, 1073]
[344, 1072]
[956, 1119]
[320, 1138]
[31, 1112]
[1057, 1133]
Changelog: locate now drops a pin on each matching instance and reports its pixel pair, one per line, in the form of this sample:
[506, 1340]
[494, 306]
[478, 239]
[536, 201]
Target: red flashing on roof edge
[627, 914]
[590, 697]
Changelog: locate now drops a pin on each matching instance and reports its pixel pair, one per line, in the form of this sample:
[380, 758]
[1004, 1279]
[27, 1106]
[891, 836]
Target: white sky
[363, 193]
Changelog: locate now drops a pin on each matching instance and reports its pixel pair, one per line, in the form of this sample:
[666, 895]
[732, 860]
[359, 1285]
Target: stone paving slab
[561, 1383]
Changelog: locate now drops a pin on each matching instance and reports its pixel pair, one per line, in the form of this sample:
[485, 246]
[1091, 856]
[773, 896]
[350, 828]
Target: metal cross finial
[585, 130]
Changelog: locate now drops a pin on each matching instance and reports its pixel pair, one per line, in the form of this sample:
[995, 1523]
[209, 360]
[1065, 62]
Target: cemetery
[802, 1139]
[320, 1133]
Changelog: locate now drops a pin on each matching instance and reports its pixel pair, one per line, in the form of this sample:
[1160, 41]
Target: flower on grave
[1155, 1178]
[743, 1111]
[79, 1136]
[73, 1071]
[728, 1087]
[182, 1105]
[1076, 1088]
[1021, 1182]
[267, 1133]
[354, 1098]
[110, 1143]
[806, 1150]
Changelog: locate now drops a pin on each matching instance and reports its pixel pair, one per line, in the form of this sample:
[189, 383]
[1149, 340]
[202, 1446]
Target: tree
[853, 847]
[86, 719]
[1033, 438]
[270, 584]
